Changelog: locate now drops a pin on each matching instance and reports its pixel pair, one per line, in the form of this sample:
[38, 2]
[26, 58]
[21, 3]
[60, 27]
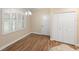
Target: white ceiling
[25, 9]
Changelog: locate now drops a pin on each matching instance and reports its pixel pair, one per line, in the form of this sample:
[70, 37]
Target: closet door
[64, 27]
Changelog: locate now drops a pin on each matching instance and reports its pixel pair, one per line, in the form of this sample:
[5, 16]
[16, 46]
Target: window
[12, 21]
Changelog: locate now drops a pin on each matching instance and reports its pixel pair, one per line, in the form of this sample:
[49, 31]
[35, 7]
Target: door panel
[45, 25]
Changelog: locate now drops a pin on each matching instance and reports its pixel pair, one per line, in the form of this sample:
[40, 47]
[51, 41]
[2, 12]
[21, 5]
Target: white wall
[37, 19]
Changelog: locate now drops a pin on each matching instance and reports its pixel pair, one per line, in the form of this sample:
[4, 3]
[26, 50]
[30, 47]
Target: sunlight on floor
[62, 47]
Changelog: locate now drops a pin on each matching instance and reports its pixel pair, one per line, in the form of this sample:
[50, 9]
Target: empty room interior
[39, 29]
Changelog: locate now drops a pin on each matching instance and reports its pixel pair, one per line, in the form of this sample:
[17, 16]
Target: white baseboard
[64, 42]
[6, 45]
[13, 42]
[39, 33]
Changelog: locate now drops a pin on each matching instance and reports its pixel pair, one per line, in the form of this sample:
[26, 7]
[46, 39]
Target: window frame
[13, 30]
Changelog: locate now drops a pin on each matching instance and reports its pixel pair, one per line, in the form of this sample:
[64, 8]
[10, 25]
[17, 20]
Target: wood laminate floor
[34, 42]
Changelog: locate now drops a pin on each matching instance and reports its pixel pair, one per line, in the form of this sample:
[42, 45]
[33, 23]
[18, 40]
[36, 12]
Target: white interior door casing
[64, 27]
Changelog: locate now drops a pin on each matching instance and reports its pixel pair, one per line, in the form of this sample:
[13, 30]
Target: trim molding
[39, 33]
[6, 45]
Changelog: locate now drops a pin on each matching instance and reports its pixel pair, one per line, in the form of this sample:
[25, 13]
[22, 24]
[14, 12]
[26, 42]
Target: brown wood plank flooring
[34, 42]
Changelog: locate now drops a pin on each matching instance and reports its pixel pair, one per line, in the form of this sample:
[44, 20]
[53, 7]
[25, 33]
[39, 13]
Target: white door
[45, 25]
[64, 27]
